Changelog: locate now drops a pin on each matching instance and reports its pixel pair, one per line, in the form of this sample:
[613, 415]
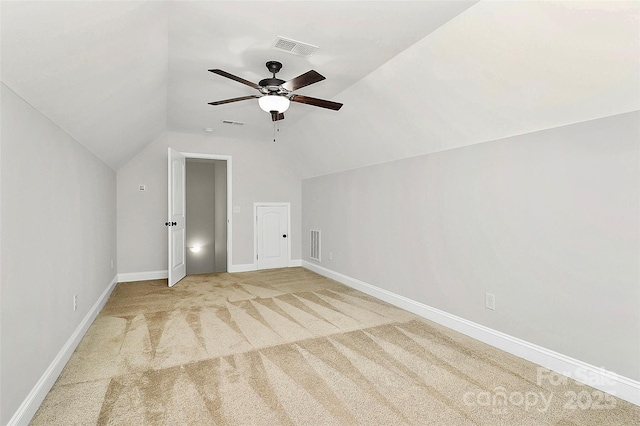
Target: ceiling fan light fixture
[276, 94]
[270, 103]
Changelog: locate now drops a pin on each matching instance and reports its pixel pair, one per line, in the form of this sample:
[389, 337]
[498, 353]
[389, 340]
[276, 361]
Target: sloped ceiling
[499, 69]
[116, 74]
[415, 77]
[99, 70]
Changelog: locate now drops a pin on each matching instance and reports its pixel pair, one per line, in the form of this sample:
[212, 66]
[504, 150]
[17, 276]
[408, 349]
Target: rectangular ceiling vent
[315, 245]
[237, 123]
[294, 47]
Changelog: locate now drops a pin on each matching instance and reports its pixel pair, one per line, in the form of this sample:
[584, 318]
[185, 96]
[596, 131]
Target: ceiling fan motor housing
[271, 84]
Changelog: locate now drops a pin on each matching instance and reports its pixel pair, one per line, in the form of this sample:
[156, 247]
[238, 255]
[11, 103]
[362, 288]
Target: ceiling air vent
[237, 123]
[294, 47]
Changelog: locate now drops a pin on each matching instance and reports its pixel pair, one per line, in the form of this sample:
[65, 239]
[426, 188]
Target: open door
[177, 211]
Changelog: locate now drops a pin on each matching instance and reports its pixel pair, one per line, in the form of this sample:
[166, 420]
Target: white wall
[58, 238]
[547, 221]
[259, 174]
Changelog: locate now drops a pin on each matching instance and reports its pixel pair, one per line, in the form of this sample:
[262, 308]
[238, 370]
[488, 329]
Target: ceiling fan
[276, 94]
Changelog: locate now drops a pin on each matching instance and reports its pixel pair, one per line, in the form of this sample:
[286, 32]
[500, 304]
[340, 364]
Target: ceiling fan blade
[316, 102]
[275, 116]
[303, 80]
[226, 101]
[236, 78]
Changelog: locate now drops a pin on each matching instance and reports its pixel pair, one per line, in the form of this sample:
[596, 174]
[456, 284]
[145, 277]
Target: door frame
[226, 158]
[255, 229]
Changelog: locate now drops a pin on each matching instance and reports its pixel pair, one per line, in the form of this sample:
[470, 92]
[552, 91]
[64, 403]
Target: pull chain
[275, 129]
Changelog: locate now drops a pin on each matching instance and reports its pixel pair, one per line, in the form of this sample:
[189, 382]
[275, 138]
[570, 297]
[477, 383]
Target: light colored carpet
[291, 347]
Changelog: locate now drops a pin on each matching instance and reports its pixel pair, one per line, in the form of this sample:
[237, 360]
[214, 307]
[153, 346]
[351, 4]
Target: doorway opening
[178, 244]
[206, 216]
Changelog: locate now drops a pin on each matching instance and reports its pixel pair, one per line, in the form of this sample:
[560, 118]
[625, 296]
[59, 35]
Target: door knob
[284, 235]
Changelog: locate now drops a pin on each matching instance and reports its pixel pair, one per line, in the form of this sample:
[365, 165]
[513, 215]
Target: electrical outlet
[490, 301]
[111, 263]
[75, 302]
[330, 255]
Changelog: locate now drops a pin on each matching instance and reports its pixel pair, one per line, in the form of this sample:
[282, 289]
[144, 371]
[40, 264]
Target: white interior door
[177, 210]
[272, 236]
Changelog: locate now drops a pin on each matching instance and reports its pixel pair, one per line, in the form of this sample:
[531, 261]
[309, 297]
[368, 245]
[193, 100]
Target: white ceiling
[117, 74]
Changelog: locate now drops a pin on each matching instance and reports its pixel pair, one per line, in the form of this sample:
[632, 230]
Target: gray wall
[547, 221]
[58, 237]
[259, 174]
[220, 214]
[206, 221]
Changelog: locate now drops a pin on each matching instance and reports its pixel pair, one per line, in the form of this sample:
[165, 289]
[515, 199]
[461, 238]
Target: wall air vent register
[315, 245]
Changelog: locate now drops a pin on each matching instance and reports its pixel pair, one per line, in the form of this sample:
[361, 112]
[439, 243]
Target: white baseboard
[127, 277]
[599, 378]
[32, 402]
[243, 267]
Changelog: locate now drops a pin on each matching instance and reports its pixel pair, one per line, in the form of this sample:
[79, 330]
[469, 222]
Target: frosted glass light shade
[270, 103]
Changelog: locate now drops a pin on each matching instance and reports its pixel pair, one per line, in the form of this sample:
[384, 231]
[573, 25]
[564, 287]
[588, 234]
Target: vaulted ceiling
[415, 76]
